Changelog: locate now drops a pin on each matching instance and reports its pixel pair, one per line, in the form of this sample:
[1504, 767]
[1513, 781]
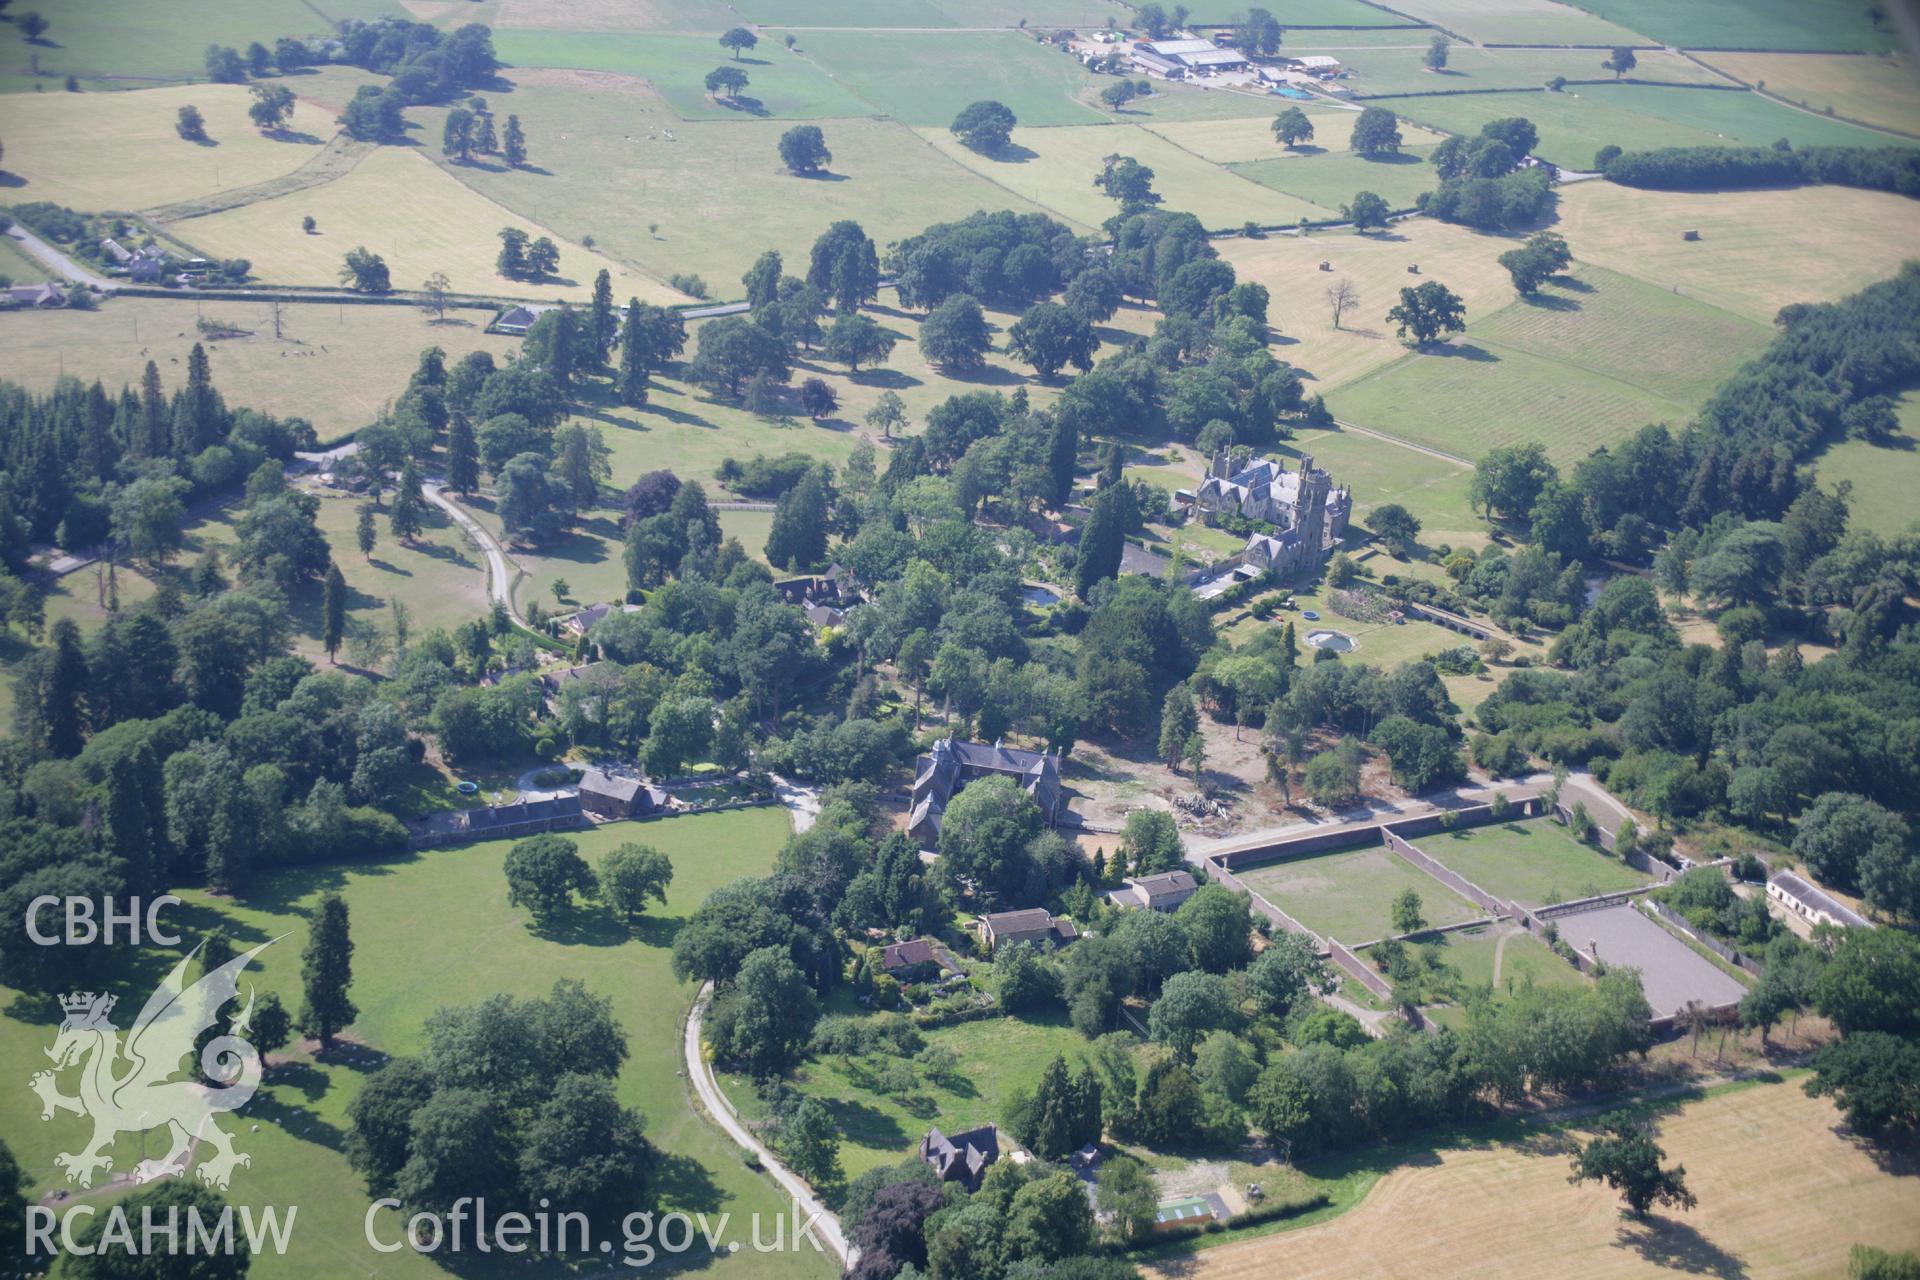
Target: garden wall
[1359, 970]
[1731, 955]
[1452, 879]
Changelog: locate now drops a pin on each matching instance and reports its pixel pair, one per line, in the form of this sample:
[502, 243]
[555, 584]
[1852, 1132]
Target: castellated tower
[1312, 518]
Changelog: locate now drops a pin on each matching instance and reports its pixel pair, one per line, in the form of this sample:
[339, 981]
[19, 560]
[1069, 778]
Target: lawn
[1518, 22]
[334, 365]
[926, 78]
[399, 205]
[1378, 472]
[1535, 863]
[1520, 957]
[1241, 140]
[1794, 1213]
[1758, 250]
[1395, 69]
[1879, 89]
[1055, 168]
[1349, 894]
[997, 1057]
[596, 132]
[1584, 363]
[117, 40]
[121, 152]
[1885, 477]
[18, 266]
[413, 956]
[1378, 267]
[1332, 180]
[1837, 25]
[779, 83]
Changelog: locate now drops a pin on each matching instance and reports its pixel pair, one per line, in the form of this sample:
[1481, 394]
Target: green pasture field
[1055, 168]
[399, 205]
[1524, 957]
[780, 84]
[927, 78]
[1519, 22]
[134, 39]
[1574, 368]
[1885, 477]
[1382, 645]
[1348, 894]
[1302, 13]
[1240, 140]
[1085, 14]
[844, 13]
[1837, 25]
[751, 527]
[1332, 180]
[19, 266]
[1748, 118]
[335, 366]
[1572, 126]
[1757, 251]
[1398, 69]
[1378, 472]
[997, 1057]
[1536, 863]
[715, 197]
[696, 16]
[1181, 101]
[412, 956]
[1880, 89]
[120, 151]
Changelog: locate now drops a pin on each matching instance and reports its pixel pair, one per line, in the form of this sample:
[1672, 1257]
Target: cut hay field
[925, 78]
[1055, 168]
[121, 40]
[1519, 22]
[1239, 141]
[1348, 895]
[119, 151]
[1395, 69]
[1791, 1215]
[599, 132]
[1332, 180]
[335, 367]
[412, 957]
[447, 227]
[1758, 250]
[1535, 863]
[780, 84]
[1574, 368]
[1882, 89]
[1885, 477]
[1836, 25]
[1289, 266]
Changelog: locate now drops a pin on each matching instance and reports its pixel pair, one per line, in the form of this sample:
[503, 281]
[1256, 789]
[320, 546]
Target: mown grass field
[1519, 22]
[925, 78]
[1572, 127]
[1055, 168]
[781, 84]
[1180, 100]
[1837, 25]
[120, 151]
[1573, 368]
[1433, 489]
[1794, 1214]
[1303, 13]
[335, 366]
[1748, 118]
[1519, 956]
[1349, 894]
[697, 16]
[1399, 69]
[1757, 251]
[1377, 265]
[1880, 89]
[412, 956]
[1237, 141]
[1535, 863]
[446, 227]
[1332, 180]
[1885, 477]
[133, 38]
[19, 266]
[714, 197]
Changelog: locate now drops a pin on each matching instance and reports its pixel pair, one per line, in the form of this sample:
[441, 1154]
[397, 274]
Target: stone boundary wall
[1599, 901]
[1637, 858]
[1359, 970]
[1668, 1024]
[1452, 879]
[1730, 954]
[1220, 874]
[1296, 847]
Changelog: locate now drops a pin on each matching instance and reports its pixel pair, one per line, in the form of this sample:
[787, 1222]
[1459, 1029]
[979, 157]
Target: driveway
[499, 581]
[56, 261]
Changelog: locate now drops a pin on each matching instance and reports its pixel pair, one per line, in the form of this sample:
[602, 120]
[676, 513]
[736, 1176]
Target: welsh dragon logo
[144, 1094]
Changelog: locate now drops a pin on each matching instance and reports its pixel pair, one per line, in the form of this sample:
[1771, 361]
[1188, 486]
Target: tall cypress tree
[514, 143]
[62, 709]
[326, 971]
[128, 830]
[1103, 540]
[1063, 457]
[333, 608]
[197, 421]
[798, 539]
[463, 457]
[407, 518]
[155, 438]
[602, 320]
[636, 357]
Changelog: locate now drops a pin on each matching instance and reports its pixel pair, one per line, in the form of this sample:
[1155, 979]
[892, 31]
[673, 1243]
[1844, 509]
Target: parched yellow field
[1781, 1195]
[119, 151]
[335, 366]
[1758, 250]
[403, 207]
[1237, 141]
[1377, 265]
[1877, 88]
[1065, 159]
